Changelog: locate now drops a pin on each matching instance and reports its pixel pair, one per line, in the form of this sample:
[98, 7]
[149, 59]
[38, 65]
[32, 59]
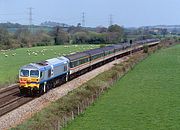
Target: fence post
[72, 115]
[92, 99]
[58, 125]
[65, 121]
[78, 109]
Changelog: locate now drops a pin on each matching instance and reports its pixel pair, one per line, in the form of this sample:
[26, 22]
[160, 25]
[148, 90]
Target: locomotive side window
[65, 68]
[41, 74]
[49, 73]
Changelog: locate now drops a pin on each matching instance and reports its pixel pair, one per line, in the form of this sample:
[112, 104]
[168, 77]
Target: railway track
[10, 99]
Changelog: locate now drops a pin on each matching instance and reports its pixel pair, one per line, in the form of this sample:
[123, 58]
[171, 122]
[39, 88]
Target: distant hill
[13, 27]
[162, 26]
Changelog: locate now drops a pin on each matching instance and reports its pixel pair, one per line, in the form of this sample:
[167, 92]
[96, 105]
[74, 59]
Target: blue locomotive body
[42, 76]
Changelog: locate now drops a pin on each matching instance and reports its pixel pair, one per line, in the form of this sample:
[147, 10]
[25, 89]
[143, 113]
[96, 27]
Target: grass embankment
[12, 60]
[147, 98]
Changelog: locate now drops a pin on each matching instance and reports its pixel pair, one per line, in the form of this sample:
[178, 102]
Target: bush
[145, 48]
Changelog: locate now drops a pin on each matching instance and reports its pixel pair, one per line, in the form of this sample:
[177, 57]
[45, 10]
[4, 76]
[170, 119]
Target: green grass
[9, 66]
[147, 98]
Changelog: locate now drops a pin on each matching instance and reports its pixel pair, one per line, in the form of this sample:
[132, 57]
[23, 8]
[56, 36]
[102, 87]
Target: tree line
[24, 37]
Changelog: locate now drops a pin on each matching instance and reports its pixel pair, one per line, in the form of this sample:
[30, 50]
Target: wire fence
[80, 108]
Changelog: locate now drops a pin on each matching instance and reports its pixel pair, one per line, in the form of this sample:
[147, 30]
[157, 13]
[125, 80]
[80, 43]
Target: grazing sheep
[6, 55]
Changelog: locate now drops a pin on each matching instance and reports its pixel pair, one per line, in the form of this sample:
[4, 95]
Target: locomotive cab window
[34, 73]
[24, 73]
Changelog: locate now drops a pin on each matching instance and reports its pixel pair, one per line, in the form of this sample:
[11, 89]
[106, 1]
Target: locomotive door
[52, 71]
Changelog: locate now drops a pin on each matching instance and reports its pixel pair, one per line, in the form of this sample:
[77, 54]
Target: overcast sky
[128, 13]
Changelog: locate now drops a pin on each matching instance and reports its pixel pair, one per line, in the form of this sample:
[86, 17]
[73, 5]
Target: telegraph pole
[83, 19]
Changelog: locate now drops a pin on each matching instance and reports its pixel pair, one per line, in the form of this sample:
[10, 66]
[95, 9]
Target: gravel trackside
[24, 112]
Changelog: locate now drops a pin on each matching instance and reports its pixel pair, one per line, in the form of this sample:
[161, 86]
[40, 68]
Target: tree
[6, 40]
[24, 37]
[164, 32]
[60, 36]
[80, 37]
[101, 29]
[115, 34]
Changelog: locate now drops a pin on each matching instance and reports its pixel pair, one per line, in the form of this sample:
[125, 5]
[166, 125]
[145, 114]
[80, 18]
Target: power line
[110, 20]
[30, 19]
[83, 19]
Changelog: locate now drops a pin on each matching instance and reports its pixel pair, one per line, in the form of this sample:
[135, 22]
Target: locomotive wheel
[22, 92]
[41, 90]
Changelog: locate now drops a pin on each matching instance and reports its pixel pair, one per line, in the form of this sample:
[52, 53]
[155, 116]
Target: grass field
[147, 98]
[12, 60]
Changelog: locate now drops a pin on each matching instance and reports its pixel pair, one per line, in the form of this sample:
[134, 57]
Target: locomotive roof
[43, 65]
[76, 56]
[31, 66]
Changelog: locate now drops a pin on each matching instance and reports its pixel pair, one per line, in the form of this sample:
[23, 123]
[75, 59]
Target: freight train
[38, 78]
